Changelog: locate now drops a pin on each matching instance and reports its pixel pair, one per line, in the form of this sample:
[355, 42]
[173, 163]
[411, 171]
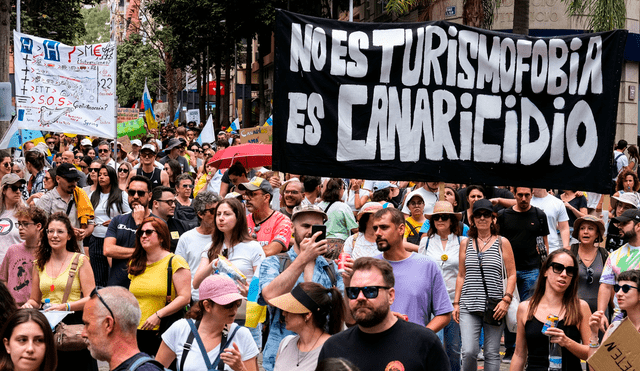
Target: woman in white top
[355, 196]
[10, 199]
[308, 310]
[442, 245]
[363, 243]
[340, 220]
[108, 200]
[231, 239]
[213, 318]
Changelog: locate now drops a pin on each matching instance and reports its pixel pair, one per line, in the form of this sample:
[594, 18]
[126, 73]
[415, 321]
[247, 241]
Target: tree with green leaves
[137, 61]
[96, 24]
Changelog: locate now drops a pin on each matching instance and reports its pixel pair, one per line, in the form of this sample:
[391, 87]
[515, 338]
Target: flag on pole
[148, 108]
[269, 121]
[206, 135]
[176, 118]
[234, 125]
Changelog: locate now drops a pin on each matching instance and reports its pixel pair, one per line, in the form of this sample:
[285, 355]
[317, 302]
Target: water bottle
[47, 304]
[555, 357]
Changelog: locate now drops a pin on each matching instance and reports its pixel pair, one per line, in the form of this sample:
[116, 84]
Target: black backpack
[614, 166]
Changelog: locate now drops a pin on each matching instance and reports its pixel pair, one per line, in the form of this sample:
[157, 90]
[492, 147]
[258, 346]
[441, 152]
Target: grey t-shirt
[589, 291]
[289, 355]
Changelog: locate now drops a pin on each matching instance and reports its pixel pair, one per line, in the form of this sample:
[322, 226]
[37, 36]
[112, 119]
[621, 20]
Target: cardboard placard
[257, 134]
[126, 143]
[619, 351]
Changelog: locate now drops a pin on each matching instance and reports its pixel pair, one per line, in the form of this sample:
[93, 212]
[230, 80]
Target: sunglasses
[211, 211]
[94, 169]
[483, 214]
[13, 187]
[168, 202]
[187, 186]
[78, 157]
[625, 288]
[440, 217]
[103, 150]
[123, 170]
[96, 293]
[369, 292]
[8, 164]
[146, 232]
[133, 192]
[558, 268]
[589, 276]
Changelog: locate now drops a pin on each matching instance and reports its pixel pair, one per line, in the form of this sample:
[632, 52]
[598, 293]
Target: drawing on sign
[48, 116]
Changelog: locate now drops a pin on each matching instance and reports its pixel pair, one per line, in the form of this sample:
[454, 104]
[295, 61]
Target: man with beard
[270, 227]
[104, 153]
[381, 341]
[303, 263]
[120, 240]
[293, 194]
[421, 293]
[624, 259]
[111, 319]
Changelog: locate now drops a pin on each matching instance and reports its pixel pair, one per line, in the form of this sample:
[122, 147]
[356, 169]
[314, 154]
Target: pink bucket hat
[220, 289]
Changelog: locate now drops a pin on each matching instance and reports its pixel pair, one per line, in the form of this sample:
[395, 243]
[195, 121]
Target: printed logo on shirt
[21, 267]
[123, 226]
[6, 226]
[175, 235]
[394, 366]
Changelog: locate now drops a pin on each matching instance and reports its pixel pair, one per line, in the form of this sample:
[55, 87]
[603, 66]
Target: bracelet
[594, 345]
[68, 307]
[456, 303]
[157, 315]
[510, 296]
[508, 302]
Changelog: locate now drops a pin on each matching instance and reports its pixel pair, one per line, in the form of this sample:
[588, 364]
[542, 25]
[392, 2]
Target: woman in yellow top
[148, 274]
[54, 260]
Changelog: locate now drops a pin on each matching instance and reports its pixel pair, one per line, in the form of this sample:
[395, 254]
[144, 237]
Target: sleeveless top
[473, 296]
[538, 346]
[154, 176]
[60, 283]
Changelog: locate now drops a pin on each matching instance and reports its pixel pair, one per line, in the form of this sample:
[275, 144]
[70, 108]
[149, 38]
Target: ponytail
[331, 317]
[336, 313]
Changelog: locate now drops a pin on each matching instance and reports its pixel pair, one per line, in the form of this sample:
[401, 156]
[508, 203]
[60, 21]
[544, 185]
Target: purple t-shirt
[16, 270]
[420, 289]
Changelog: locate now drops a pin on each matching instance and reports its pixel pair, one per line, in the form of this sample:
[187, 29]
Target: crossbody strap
[187, 346]
[224, 343]
[72, 274]
[169, 274]
[71, 202]
[484, 283]
[413, 230]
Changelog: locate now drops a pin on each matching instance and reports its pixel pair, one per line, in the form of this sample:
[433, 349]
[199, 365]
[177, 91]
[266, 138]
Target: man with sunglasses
[111, 319]
[421, 293]
[382, 341]
[173, 151]
[525, 226]
[163, 206]
[148, 169]
[120, 240]
[303, 263]
[68, 158]
[624, 259]
[104, 153]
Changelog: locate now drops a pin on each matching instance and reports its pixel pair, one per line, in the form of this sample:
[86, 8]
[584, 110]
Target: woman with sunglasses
[148, 274]
[58, 256]
[588, 230]
[92, 179]
[314, 313]
[626, 291]
[442, 245]
[231, 239]
[483, 257]
[124, 173]
[556, 293]
[10, 199]
[108, 201]
[49, 182]
[28, 343]
[224, 340]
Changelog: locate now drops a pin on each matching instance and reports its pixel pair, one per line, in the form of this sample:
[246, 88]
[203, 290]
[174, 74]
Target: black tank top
[538, 346]
[154, 176]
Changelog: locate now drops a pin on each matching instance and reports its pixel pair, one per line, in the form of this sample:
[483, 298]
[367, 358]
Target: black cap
[67, 171]
[174, 143]
[631, 214]
[482, 204]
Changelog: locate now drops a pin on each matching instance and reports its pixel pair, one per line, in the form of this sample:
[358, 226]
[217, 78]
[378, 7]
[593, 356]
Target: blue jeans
[470, 326]
[526, 281]
[450, 338]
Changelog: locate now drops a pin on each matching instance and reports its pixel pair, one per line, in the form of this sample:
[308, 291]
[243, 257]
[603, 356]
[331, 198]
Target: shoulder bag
[68, 338]
[224, 344]
[512, 312]
[490, 303]
[167, 321]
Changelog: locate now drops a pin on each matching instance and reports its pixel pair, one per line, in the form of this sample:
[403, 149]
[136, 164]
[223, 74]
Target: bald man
[67, 157]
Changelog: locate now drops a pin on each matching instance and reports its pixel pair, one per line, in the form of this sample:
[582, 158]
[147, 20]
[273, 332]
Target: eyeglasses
[103, 150]
[210, 211]
[168, 202]
[13, 187]
[146, 232]
[96, 293]
[234, 305]
[589, 276]
[558, 268]
[94, 169]
[24, 224]
[625, 288]
[123, 170]
[59, 232]
[369, 292]
[483, 214]
[439, 217]
[133, 192]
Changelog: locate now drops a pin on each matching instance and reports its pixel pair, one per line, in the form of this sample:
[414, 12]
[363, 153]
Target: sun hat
[445, 207]
[630, 198]
[587, 218]
[220, 289]
[297, 301]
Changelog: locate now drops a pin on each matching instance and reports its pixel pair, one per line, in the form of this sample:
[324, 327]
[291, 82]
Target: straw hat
[591, 219]
[444, 207]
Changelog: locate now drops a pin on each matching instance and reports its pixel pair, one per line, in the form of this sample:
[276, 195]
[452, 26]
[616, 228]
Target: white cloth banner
[62, 88]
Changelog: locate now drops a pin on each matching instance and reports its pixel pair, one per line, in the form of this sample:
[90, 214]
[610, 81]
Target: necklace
[486, 242]
[257, 225]
[584, 259]
[53, 287]
[307, 353]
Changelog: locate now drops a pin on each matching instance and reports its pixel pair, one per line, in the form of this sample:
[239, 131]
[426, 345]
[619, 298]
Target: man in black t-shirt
[525, 226]
[120, 239]
[111, 319]
[379, 341]
[163, 206]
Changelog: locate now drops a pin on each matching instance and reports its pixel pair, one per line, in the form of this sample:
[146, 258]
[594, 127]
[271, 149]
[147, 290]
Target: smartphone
[319, 228]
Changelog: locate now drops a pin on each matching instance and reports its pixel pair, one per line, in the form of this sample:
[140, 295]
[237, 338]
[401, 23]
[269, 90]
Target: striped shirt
[473, 295]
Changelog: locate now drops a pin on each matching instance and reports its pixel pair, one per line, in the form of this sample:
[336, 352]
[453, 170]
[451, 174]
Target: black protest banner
[442, 101]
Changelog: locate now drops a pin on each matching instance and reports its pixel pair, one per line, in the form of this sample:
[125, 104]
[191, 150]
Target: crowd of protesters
[167, 261]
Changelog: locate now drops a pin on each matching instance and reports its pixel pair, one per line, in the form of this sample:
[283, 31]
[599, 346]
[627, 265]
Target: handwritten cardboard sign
[620, 351]
[257, 134]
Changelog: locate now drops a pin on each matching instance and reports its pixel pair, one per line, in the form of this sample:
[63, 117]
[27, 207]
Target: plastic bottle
[555, 357]
[47, 304]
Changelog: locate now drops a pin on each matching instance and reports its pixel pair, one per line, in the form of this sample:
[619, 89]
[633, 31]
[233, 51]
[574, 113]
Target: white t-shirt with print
[244, 256]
